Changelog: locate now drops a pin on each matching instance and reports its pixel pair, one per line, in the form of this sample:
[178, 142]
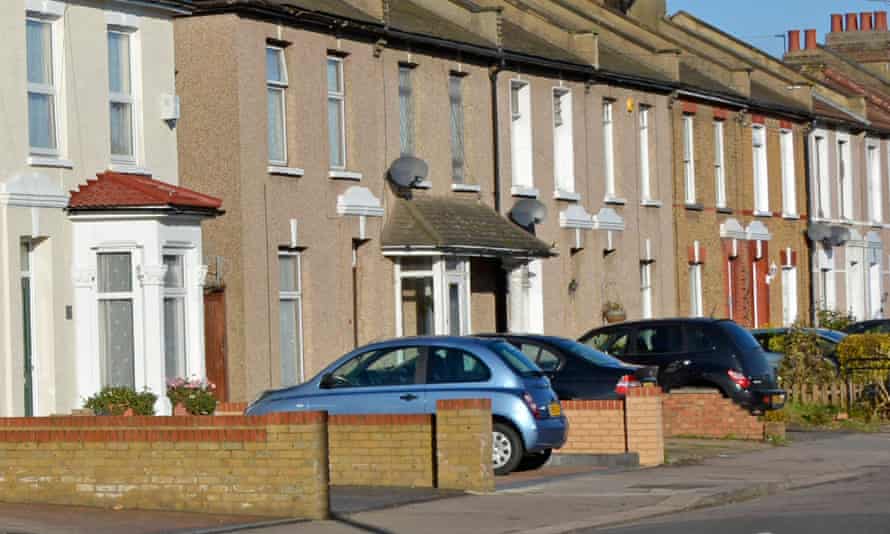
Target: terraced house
[100, 251]
[548, 179]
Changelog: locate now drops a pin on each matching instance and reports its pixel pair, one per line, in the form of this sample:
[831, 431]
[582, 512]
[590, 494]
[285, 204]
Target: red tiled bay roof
[116, 190]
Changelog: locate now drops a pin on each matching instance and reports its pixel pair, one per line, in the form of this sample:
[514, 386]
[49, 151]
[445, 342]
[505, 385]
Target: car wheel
[534, 461]
[506, 449]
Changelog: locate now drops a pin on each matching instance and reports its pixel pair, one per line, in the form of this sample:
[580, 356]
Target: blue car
[408, 375]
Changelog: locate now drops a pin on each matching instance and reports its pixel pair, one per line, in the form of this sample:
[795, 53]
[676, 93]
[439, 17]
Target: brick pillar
[463, 444]
[645, 431]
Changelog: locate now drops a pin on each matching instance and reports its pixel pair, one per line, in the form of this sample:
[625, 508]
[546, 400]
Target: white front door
[432, 295]
[456, 312]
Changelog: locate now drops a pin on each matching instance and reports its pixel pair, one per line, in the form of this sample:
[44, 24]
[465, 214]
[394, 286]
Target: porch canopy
[457, 226]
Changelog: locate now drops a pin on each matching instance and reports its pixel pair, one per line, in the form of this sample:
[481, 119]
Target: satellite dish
[839, 235]
[528, 211]
[818, 232]
[408, 171]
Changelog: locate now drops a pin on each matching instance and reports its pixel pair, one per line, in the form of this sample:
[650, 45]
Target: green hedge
[865, 357]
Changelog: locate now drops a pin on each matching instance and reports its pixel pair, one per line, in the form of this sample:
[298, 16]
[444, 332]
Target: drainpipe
[493, 72]
[811, 189]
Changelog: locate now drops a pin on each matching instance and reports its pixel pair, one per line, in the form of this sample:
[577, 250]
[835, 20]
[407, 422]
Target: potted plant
[613, 312]
[191, 396]
[121, 401]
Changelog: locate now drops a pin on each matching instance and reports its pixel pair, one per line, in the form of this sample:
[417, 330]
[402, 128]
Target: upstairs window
[276, 85]
[719, 165]
[121, 95]
[761, 178]
[456, 108]
[689, 157]
[521, 134]
[336, 113]
[873, 160]
[608, 150]
[42, 88]
[406, 111]
[845, 179]
[563, 141]
[645, 179]
[789, 188]
[822, 179]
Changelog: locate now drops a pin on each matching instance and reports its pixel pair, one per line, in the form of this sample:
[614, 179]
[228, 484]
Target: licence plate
[775, 400]
[555, 409]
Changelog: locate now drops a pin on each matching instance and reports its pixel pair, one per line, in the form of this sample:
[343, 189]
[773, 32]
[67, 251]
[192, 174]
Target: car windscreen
[590, 354]
[515, 359]
[833, 335]
[751, 355]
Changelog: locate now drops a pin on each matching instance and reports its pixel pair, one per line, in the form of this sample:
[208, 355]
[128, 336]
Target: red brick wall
[706, 413]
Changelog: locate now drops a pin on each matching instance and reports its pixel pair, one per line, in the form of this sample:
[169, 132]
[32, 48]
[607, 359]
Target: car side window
[386, 367]
[547, 360]
[530, 350]
[599, 341]
[662, 339]
[448, 365]
[700, 338]
[618, 345]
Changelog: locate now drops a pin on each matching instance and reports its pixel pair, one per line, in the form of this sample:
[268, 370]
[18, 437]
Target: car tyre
[507, 449]
[534, 461]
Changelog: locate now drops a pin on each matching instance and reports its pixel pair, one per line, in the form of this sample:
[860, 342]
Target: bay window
[174, 317]
[115, 298]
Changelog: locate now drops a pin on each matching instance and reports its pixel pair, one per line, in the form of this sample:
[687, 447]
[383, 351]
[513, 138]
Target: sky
[759, 21]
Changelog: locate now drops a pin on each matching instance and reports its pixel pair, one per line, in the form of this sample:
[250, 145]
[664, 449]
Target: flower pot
[128, 412]
[615, 316]
[179, 409]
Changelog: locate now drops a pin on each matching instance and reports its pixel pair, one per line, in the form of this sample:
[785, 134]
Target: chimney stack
[837, 23]
[793, 40]
[880, 21]
[852, 23]
[865, 21]
[810, 37]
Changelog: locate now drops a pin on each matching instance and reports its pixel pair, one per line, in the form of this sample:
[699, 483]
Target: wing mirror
[327, 381]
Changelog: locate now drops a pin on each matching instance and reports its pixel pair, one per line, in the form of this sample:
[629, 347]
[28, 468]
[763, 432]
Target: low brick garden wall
[707, 413]
[618, 426]
[273, 465]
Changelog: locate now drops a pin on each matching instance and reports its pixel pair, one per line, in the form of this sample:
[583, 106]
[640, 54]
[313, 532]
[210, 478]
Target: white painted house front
[88, 88]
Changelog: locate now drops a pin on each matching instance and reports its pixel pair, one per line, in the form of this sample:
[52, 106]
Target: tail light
[739, 379]
[625, 383]
[533, 406]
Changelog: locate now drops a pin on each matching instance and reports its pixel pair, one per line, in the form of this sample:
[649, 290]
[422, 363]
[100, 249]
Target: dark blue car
[409, 375]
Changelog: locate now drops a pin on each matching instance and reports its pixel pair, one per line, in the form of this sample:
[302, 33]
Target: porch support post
[152, 279]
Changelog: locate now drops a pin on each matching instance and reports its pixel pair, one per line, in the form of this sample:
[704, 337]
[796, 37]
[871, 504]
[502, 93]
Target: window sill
[562, 194]
[724, 210]
[762, 213]
[649, 203]
[521, 191]
[791, 216]
[285, 171]
[615, 201]
[47, 161]
[466, 188]
[694, 206]
[129, 168]
[344, 175]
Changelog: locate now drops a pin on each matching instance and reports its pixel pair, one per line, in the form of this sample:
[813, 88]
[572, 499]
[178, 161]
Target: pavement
[553, 500]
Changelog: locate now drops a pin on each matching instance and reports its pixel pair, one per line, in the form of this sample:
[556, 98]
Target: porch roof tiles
[118, 190]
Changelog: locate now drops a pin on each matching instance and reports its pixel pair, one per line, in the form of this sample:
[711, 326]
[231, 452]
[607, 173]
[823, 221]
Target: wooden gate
[215, 341]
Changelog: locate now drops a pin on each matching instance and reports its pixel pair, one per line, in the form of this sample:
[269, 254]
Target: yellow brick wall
[645, 430]
[272, 466]
[463, 444]
[381, 450]
[595, 427]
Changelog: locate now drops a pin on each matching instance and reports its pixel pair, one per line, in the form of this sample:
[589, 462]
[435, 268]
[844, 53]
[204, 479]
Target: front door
[215, 342]
[457, 294]
[27, 335]
[433, 296]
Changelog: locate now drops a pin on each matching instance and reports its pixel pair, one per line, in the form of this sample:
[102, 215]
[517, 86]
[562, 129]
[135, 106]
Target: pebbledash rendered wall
[633, 425]
[278, 465]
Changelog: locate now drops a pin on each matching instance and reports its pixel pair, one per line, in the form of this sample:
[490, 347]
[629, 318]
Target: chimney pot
[793, 40]
[837, 23]
[810, 37]
[865, 21]
[852, 23]
[880, 21]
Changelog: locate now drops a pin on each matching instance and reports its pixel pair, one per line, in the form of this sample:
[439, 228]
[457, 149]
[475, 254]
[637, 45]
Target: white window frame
[457, 129]
[761, 169]
[280, 87]
[822, 177]
[689, 157]
[407, 116]
[643, 139]
[56, 89]
[609, 148]
[131, 99]
[646, 291]
[338, 96]
[563, 141]
[873, 171]
[521, 142]
[719, 164]
[789, 178]
[297, 297]
[696, 307]
[441, 278]
[135, 296]
[844, 177]
[181, 294]
[789, 295]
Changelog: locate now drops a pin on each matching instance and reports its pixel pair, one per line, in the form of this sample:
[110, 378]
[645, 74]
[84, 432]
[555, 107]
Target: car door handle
[408, 397]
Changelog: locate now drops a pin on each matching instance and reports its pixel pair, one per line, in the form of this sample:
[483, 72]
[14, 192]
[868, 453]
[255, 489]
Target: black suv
[696, 352]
